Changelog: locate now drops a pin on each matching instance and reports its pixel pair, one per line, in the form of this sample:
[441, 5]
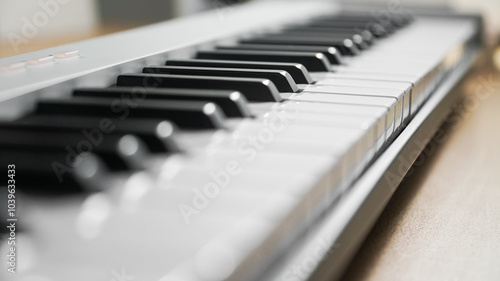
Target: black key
[158, 135]
[312, 61]
[233, 103]
[356, 39]
[254, 89]
[389, 25]
[281, 79]
[360, 42]
[118, 152]
[348, 32]
[375, 28]
[397, 20]
[185, 114]
[54, 172]
[296, 70]
[372, 26]
[345, 46]
[347, 15]
[400, 19]
[330, 52]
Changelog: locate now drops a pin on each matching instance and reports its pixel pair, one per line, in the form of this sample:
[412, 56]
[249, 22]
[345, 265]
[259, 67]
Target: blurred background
[29, 25]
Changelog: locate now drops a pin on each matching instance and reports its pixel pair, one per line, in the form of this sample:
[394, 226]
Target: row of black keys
[123, 124]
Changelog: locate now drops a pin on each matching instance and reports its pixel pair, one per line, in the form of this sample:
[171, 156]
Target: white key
[257, 181]
[355, 82]
[389, 104]
[329, 109]
[418, 84]
[404, 86]
[402, 97]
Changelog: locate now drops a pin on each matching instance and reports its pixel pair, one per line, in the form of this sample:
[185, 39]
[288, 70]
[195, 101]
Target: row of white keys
[345, 115]
[368, 77]
[316, 139]
[402, 98]
[388, 103]
[404, 87]
[422, 82]
[171, 240]
[336, 140]
[296, 148]
[409, 57]
[251, 203]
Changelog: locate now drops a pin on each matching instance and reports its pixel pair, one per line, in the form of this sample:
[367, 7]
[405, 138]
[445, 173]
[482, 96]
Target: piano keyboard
[220, 148]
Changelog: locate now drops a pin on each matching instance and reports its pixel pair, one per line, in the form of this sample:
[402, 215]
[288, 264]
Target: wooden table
[443, 222]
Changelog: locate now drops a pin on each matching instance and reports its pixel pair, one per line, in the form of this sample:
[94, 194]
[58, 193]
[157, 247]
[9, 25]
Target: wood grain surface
[443, 222]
